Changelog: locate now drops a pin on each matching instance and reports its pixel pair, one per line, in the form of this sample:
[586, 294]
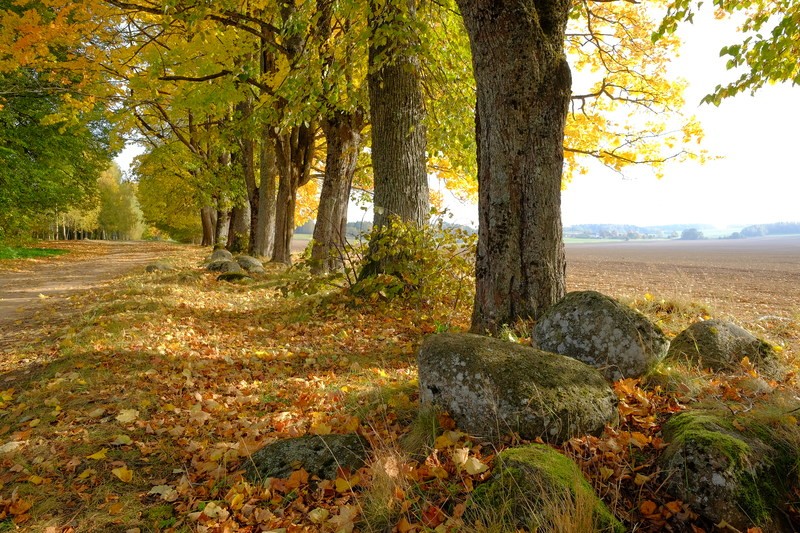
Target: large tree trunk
[240, 229]
[343, 138]
[267, 190]
[397, 112]
[523, 89]
[223, 228]
[208, 216]
[294, 151]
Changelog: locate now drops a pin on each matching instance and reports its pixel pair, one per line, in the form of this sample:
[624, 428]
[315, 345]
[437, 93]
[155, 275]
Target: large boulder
[224, 266]
[250, 264]
[603, 333]
[492, 387]
[719, 345]
[319, 455]
[725, 474]
[534, 486]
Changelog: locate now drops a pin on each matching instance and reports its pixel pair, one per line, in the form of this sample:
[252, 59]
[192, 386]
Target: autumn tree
[768, 51]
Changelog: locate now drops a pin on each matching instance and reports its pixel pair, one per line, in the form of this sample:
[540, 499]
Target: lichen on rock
[492, 387]
[601, 332]
[720, 345]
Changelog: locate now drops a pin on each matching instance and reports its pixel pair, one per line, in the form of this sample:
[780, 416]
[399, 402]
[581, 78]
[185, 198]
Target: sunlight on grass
[9, 252]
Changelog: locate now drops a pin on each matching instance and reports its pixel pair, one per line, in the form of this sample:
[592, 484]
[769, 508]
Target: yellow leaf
[320, 428]
[447, 439]
[98, 455]
[36, 480]
[122, 440]
[343, 485]
[123, 473]
[606, 472]
[473, 466]
[87, 473]
[115, 508]
[126, 416]
[641, 479]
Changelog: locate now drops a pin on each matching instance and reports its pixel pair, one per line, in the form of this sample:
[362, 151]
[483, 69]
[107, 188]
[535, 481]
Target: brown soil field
[745, 280]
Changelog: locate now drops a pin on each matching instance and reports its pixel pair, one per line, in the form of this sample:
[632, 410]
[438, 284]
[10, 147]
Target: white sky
[756, 180]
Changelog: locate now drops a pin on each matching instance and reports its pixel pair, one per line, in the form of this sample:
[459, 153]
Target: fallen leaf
[126, 416]
[123, 473]
[318, 515]
[121, 440]
[648, 507]
[473, 466]
[97, 456]
[35, 480]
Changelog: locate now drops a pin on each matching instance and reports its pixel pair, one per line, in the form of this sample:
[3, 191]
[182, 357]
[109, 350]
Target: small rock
[220, 254]
[159, 266]
[319, 455]
[719, 345]
[533, 486]
[251, 264]
[603, 333]
[224, 266]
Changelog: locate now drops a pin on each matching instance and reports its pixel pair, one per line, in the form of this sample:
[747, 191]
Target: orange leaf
[648, 507]
[297, 478]
[675, 507]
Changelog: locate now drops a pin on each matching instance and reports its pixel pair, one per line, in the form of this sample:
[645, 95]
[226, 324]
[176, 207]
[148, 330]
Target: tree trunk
[267, 190]
[343, 138]
[294, 151]
[240, 229]
[397, 113]
[223, 228]
[523, 90]
[209, 219]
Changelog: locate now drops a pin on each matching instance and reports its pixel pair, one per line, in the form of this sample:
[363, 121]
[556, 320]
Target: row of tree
[243, 105]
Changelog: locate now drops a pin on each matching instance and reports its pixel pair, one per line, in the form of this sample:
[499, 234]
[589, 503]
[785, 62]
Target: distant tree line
[761, 230]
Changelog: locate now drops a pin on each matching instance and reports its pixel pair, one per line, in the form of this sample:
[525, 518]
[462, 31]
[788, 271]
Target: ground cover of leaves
[141, 415]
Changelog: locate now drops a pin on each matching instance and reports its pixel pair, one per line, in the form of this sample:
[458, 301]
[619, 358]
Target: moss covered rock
[533, 487]
[492, 387]
[319, 455]
[719, 345]
[224, 266]
[723, 473]
[601, 332]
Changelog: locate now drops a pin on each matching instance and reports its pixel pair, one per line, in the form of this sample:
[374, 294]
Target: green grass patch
[13, 252]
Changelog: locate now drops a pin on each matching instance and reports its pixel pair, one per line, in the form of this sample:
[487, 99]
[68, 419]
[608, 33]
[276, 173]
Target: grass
[216, 370]
[15, 252]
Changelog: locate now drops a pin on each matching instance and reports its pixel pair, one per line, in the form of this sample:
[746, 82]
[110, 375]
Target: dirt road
[36, 288]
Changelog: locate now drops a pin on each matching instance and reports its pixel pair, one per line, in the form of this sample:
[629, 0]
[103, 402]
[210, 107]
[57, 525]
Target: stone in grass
[223, 266]
[534, 486]
[232, 277]
[319, 455]
[251, 264]
[159, 266]
[724, 474]
[603, 333]
[492, 388]
[220, 254]
[720, 345]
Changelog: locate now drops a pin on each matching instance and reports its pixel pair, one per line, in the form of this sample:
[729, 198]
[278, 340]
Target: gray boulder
[159, 266]
[220, 254]
[724, 474]
[603, 333]
[492, 387]
[319, 455]
[531, 486]
[719, 345]
[250, 264]
[224, 266]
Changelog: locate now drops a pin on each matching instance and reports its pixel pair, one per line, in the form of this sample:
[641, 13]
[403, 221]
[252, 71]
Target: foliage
[768, 51]
[46, 165]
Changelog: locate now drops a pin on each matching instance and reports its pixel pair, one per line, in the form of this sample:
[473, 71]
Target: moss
[709, 430]
[534, 486]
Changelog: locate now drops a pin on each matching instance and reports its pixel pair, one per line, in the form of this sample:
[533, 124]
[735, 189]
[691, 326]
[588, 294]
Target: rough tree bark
[239, 235]
[208, 216]
[294, 151]
[397, 112]
[268, 189]
[523, 90]
[343, 138]
[222, 229]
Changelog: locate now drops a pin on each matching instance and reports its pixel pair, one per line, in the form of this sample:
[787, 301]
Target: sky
[756, 178]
